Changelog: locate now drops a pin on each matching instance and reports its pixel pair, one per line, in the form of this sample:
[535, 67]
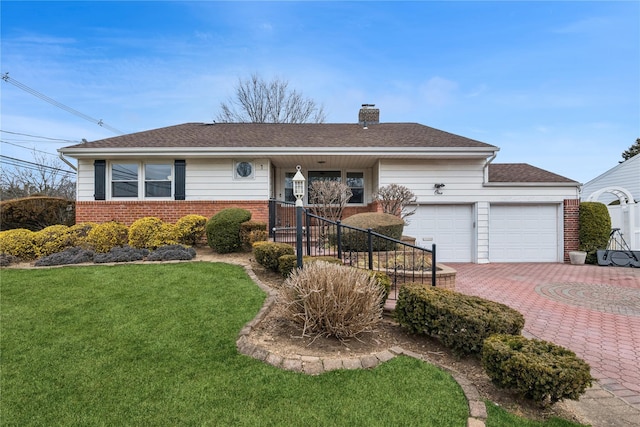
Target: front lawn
[155, 345]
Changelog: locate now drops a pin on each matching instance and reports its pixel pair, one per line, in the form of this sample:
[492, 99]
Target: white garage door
[523, 233]
[450, 227]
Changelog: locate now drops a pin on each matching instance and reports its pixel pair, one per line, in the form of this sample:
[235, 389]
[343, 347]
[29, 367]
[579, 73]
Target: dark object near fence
[618, 253]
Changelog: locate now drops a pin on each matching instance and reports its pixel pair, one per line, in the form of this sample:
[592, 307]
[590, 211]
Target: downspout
[485, 171]
[64, 159]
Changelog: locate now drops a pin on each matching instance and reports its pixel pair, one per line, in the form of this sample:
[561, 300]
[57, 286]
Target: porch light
[298, 191]
[298, 186]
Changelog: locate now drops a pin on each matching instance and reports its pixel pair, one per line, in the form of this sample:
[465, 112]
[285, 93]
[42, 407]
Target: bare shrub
[328, 199]
[332, 300]
[396, 200]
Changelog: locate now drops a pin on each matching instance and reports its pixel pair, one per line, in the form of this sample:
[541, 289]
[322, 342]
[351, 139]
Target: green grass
[498, 417]
[155, 345]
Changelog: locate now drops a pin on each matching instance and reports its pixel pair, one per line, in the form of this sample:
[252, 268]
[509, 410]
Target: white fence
[627, 219]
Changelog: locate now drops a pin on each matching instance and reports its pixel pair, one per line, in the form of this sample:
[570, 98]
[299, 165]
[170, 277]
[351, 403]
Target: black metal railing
[282, 221]
[403, 262]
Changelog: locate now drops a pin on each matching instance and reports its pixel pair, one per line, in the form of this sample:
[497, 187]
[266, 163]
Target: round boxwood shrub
[223, 230]
[18, 243]
[143, 230]
[51, 240]
[595, 226]
[381, 223]
[190, 229]
[539, 370]
[103, 237]
[268, 253]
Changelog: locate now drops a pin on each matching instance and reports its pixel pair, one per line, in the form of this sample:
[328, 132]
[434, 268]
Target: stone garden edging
[313, 365]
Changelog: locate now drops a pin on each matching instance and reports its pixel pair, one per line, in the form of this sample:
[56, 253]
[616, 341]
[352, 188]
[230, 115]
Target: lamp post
[298, 191]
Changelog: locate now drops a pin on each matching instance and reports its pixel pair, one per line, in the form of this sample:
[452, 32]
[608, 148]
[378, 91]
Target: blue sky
[553, 84]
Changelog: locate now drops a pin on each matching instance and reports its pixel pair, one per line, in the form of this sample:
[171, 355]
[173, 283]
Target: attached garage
[450, 227]
[524, 233]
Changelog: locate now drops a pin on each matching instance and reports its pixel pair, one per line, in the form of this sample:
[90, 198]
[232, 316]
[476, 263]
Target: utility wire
[27, 148]
[40, 137]
[12, 161]
[51, 101]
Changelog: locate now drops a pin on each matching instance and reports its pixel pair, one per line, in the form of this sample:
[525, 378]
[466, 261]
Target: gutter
[64, 159]
[485, 170]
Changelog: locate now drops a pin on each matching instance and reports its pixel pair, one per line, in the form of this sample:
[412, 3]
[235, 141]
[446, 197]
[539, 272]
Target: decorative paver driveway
[592, 310]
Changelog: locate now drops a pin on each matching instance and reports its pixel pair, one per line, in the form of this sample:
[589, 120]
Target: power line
[51, 101]
[37, 136]
[12, 161]
[27, 148]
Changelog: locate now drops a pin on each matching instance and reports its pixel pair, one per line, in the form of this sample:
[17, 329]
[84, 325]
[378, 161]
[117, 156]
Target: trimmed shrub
[75, 255]
[172, 253]
[121, 254]
[539, 370]
[166, 235]
[384, 282]
[19, 243]
[37, 212]
[327, 299]
[143, 231]
[223, 230]
[103, 237]
[251, 232]
[190, 229]
[461, 322]
[595, 226]
[381, 223]
[51, 240]
[78, 233]
[288, 263]
[268, 253]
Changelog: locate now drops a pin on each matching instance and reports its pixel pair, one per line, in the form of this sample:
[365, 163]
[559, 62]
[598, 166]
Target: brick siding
[571, 226]
[129, 211]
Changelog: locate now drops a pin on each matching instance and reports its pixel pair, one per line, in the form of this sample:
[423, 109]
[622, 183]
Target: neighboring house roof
[277, 137]
[523, 172]
[623, 175]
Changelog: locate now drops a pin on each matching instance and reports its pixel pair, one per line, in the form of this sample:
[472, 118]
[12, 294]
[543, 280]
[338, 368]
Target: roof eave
[433, 152]
[533, 184]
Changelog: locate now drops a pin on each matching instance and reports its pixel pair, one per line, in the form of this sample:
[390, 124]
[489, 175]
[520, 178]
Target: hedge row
[538, 370]
[149, 233]
[461, 322]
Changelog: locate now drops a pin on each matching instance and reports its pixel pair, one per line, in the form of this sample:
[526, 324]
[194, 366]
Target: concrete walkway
[592, 310]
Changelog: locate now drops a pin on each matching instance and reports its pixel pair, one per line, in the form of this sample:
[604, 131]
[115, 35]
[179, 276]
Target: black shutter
[180, 168]
[100, 179]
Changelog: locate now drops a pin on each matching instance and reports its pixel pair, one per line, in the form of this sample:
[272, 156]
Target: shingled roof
[523, 172]
[259, 135]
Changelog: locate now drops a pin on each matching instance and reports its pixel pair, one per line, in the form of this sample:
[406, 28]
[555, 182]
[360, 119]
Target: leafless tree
[259, 101]
[328, 199]
[396, 200]
[42, 177]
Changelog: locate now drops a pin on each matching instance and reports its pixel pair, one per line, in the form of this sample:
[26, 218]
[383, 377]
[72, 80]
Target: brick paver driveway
[594, 311]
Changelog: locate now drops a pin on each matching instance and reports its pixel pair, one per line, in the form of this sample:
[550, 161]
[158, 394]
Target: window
[315, 176]
[157, 180]
[288, 187]
[243, 170]
[355, 181]
[156, 177]
[124, 180]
